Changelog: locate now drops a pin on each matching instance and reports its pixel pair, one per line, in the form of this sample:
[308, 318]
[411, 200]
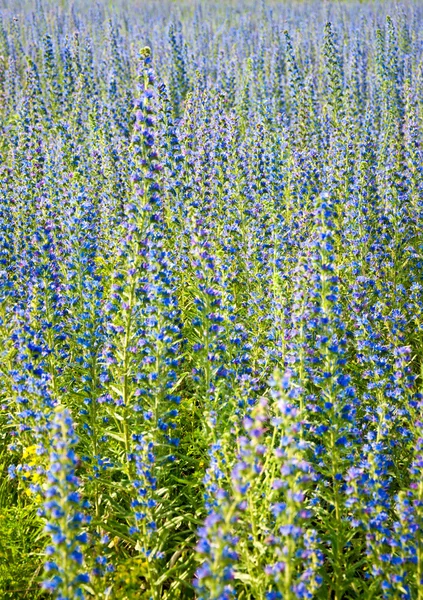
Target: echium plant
[406, 557]
[299, 98]
[390, 545]
[394, 70]
[334, 75]
[333, 402]
[127, 294]
[413, 151]
[369, 499]
[83, 373]
[51, 74]
[258, 536]
[218, 540]
[403, 569]
[65, 513]
[213, 335]
[175, 205]
[33, 371]
[28, 401]
[45, 303]
[179, 75]
[142, 347]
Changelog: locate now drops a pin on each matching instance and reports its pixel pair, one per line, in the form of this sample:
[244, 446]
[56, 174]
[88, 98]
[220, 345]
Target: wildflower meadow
[211, 300]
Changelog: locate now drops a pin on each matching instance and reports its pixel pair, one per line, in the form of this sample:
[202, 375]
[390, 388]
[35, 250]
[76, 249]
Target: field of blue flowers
[211, 300]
